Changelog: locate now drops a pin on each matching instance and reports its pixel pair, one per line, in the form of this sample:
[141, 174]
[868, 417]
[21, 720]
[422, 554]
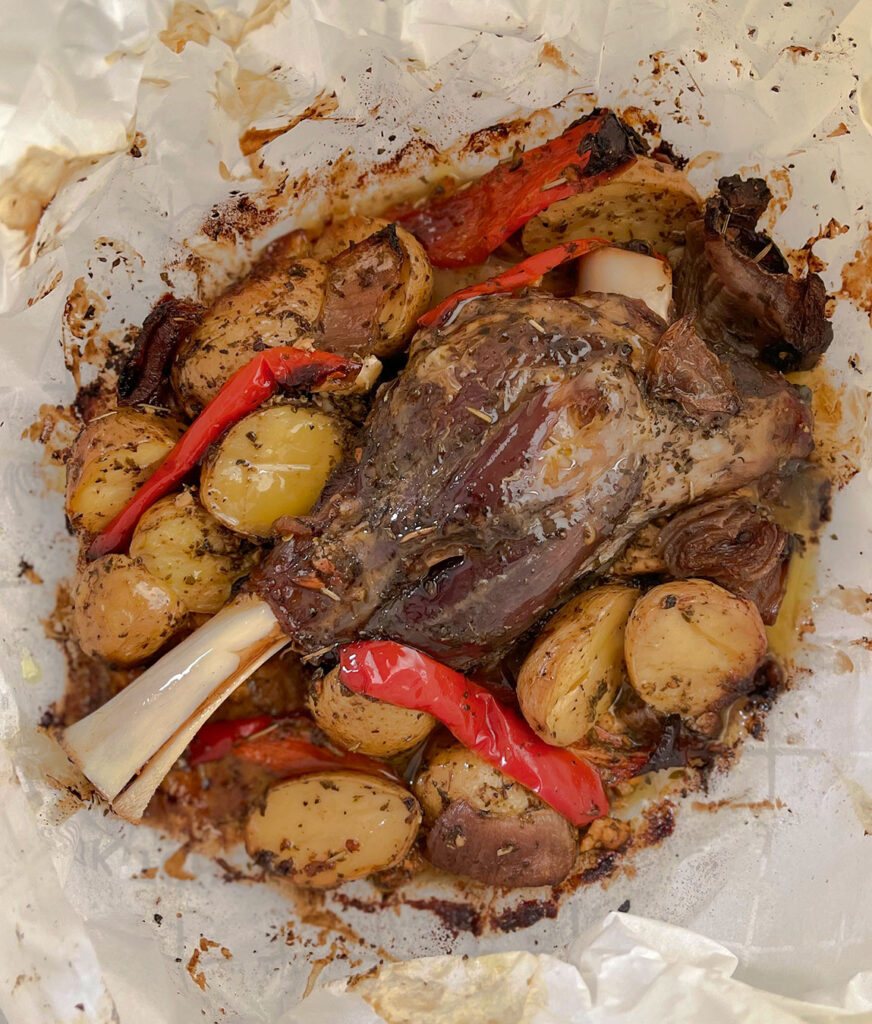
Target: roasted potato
[487, 826]
[340, 234]
[331, 827]
[364, 724]
[121, 612]
[277, 304]
[633, 274]
[651, 201]
[576, 665]
[376, 290]
[112, 456]
[179, 542]
[272, 463]
[692, 647]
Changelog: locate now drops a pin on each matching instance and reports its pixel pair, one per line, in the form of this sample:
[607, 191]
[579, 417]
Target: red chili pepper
[216, 739]
[290, 756]
[519, 276]
[283, 753]
[401, 675]
[464, 228]
[248, 388]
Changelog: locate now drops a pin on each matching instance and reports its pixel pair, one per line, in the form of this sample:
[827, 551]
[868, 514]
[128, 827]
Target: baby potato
[365, 724]
[277, 304]
[651, 201]
[272, 463]
[339, 235]
[179, 542]
[487, 826]
[454, 773]
[331, 827]
[575, 667]
[112, 456]
[692, 647]
[121, 612]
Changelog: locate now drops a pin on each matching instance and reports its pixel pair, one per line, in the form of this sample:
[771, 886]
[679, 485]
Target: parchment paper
[140, 136]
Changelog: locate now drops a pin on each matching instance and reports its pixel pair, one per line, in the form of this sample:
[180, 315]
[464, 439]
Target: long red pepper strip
[466, 227]
[248, 388]
[290, 756]
[519, 276]
[401, 675]
[216, 739]
[277, 751]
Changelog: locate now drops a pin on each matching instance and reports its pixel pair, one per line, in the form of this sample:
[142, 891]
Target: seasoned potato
[622, 272]
[452, 772]
[112, 456]
[364, 724]
[123, 613]
[376, 290]
[331, 827]
[277, 304]
[179, 542]
[691, 646]
[538, 847]
[489, 827]
[575, 667]
[337, 237]
[651, 201]
[272, 463]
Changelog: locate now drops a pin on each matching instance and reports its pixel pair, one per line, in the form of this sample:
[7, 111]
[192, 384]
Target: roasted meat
[736, 282]
[521, 447]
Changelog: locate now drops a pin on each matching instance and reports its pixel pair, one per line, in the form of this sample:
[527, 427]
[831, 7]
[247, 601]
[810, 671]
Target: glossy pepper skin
[247, 389]
[283, 746]
[402, 675]
[464, 228]
[523, 274]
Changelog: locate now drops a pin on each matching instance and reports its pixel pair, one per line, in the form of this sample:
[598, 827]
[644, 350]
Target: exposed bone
[126, 747]
[628, 273]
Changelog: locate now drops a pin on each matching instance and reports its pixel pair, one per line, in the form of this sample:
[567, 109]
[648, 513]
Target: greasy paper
[126, 126]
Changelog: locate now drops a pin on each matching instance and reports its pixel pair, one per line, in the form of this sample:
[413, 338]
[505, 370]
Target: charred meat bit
[165, 328]
[737, 283]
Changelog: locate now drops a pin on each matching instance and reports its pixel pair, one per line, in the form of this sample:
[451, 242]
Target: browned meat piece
[683, 369]
[517, 451]
[734, 543]
[165, 328]
[737, 283]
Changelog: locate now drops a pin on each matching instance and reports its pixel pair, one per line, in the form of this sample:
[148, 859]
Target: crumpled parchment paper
[121, 125]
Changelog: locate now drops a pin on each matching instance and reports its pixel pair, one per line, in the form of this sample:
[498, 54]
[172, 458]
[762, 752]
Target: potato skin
[451, 772]
[179, 542]
[112, 456]
[538, 847]
[692, 647]
[121, 612]
[650, 200]
[364, 724]
[323, 829]
[272, 463]
[340, 234]
[576, 664]
[277, 304]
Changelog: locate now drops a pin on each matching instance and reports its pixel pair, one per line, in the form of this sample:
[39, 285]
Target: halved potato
[331, 827]
[111, 458]
[364, 724]
[179, 542]
[340, 234]
[692, 647]
[651, 201]
[576, 665]
[277, 304]
[121, 612]
[487, 826]
[272, 463]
